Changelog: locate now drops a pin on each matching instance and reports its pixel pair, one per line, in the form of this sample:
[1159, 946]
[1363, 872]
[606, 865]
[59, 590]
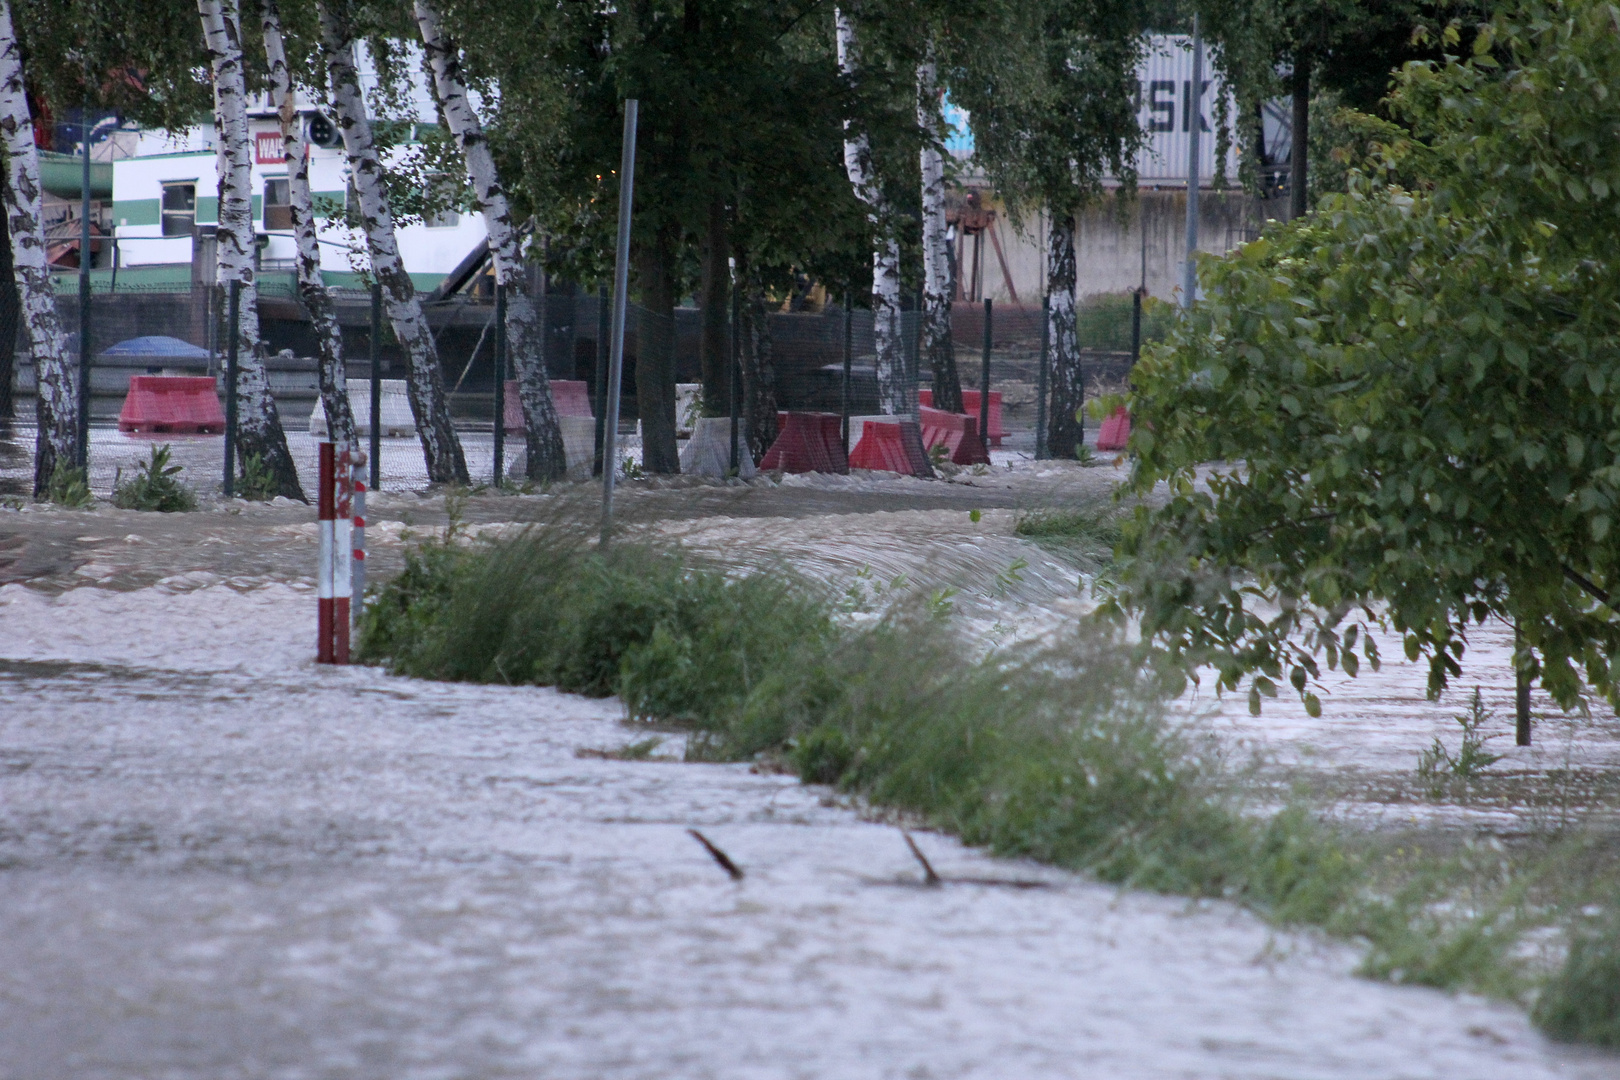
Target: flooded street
[219, 861]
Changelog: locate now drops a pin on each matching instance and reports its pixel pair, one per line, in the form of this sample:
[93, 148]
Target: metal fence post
[83, 432]
[232, 343]
[849, 350]
[376, 388]
[601, 373]
[736, 379]
[500, 381]
[1040, 379]
[984, 383]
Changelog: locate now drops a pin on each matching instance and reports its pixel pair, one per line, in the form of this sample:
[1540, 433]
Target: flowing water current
[218, 861]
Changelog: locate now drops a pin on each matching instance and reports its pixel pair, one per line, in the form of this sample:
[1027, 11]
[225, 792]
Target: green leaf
[1313, 706]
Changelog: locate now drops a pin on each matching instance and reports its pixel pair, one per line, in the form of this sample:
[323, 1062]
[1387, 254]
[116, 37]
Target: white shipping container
[1165, 109]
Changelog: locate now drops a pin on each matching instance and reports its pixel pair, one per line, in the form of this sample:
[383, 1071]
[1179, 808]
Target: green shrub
[257, 481]
[68, 487]
[1582, 1002]
[154, 486]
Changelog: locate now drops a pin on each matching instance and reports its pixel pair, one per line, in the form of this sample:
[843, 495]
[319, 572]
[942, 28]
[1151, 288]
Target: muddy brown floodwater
[218, 860]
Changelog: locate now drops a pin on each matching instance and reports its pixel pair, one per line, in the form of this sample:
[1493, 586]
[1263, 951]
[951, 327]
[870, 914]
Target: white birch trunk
[897, 391]
[1066, 430]
[936, 312]
[525, 334]
[258, 428]
[311, 286]
[441, 448]
[57, 400]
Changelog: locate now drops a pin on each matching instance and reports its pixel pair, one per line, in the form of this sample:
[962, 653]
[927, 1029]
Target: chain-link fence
[177, 328]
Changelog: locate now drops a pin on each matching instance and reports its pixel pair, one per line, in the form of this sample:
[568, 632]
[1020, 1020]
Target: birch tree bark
[258, 427]
[1066, 381]
[430, 406]
[897, 392]
[311, 287]
[57, 400]
[525, 328]
[937, 291]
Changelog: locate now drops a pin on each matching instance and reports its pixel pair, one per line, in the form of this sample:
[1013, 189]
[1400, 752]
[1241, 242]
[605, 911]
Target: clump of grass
[677, 642]
[1089, 530]
[154, 486]
[69, 487]
[257, 481]
[1581, 1003]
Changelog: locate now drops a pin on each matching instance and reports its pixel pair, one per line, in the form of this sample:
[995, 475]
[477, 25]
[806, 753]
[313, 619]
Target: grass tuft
[1581, 1003]
[154, 486]
[68, 487]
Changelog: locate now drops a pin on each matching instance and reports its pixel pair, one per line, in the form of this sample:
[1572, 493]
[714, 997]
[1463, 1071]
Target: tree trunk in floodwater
[430, 405]
[714, 347]
[655, 357]
[258, 425]
[758, 407]
[56, 403]
[333, 376]
[937, 291]
[897, 391]
[1067, 385]
[10, 316]
[525, 319]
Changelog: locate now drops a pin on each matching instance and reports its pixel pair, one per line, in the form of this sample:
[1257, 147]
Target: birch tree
[441, 449]
[258, 430]
[525, 330]
[1053, 106]
[311, 287]
[897, 393]
[936, 308]
[57, 399]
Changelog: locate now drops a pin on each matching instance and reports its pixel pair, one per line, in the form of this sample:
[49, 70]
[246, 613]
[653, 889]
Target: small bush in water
[68, 487]
[1582, 1002]
[154, 486]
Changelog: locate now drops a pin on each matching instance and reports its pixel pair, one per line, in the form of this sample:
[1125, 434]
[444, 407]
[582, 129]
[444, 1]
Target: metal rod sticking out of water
[621, 285]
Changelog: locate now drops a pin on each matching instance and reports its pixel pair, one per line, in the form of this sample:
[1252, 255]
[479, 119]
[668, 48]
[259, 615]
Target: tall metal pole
[984, 383]
[376, 388]
[234, 316]
[621, 287]
[83, 433]
[1040, 380]
[500, 382]
[1194, 117]
[601, 373]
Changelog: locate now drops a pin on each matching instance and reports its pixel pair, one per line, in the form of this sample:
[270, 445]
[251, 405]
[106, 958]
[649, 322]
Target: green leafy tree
[1411, 396]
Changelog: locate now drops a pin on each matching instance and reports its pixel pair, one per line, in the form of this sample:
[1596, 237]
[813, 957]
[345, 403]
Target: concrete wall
[1110, 244]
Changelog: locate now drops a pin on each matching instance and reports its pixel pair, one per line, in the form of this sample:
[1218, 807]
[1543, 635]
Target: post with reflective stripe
[323, 578]
[357, 571]
[342, 546]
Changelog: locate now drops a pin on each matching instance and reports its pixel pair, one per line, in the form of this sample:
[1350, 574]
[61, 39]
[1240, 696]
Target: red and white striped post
[325, 508]
[342, 551]
[358, 570]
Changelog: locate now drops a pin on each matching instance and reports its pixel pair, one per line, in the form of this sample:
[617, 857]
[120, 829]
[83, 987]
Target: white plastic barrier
[708, 451]
[397, 421]
[579, 444]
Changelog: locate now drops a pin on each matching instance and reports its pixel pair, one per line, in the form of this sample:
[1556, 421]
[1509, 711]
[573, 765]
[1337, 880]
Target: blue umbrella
[157, 346]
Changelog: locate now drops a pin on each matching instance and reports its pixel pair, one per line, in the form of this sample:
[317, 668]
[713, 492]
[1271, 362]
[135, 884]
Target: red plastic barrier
[172, 405]
[957, 432]
[970, 405]
[571, 397]
[891, 446]
[1116, 430]
[807, 442]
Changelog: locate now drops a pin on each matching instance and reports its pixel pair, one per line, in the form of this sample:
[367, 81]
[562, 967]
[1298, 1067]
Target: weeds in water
[1060, 751]
[68, 487]
[636, 750]
[154, 486]
[1441, 771]
[1087, 532]
[257, 481]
